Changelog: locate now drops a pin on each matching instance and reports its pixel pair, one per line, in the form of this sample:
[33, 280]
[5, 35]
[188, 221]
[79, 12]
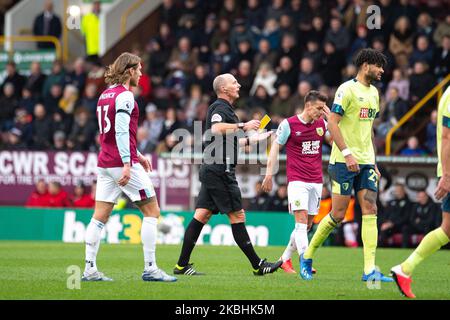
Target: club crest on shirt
[345, 185]
[319, 131]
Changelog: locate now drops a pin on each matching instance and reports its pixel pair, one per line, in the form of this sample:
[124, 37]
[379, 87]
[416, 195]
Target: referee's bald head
[221, 81]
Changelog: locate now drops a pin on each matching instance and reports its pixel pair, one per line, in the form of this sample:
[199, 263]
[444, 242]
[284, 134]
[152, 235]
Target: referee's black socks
[242, 239]
[190, 238]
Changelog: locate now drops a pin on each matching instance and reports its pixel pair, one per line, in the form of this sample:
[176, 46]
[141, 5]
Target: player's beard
[134, 82]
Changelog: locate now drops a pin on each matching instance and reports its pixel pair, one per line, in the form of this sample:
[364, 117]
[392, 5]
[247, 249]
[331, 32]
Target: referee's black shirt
[221, 151]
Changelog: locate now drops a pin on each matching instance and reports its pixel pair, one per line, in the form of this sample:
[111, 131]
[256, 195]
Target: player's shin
[148, 237]
[326, 226]
[93, 235]
[290, 248]
[301, 237]
[369, 236]
[432, 242]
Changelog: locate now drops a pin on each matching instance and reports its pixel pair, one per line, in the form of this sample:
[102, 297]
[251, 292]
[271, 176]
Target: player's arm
[443, 187]
[338, 139]
[144, 161]
[375, 153]
[283, 133]
[340, 104]
[220, 126]
[124, 107]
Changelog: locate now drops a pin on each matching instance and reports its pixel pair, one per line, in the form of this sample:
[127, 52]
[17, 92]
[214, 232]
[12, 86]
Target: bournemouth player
[219, 190]
[121, 168]
[303, 136]
[438, 238]
[352, 161]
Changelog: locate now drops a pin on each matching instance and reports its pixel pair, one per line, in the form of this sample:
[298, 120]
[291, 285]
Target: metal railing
[438, 89]
[126, 14]
[52, 39]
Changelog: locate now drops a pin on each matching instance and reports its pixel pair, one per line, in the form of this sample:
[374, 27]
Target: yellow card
[264, 122]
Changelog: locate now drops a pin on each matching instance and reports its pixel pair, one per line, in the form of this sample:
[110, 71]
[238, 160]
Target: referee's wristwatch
[241, 125]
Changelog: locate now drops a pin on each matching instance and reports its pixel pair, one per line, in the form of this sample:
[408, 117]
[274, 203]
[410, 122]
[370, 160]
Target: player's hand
[260, 136]
[252, 125]
[443, 187]
[125, 175]
[145, 163]
[352, 164]
[326, 112]
[378, 172]
[267, 184]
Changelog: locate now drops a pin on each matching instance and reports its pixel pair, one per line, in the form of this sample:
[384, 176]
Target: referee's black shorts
[219, 191]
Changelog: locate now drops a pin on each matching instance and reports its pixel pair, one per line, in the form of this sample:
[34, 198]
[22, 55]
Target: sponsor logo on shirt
[310, 147]
[367, 113]
[298, 133]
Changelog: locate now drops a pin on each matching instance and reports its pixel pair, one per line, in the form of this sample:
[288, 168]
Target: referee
[219, 190]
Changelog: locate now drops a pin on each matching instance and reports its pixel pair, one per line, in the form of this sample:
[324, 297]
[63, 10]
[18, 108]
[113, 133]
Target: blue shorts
[343, 180]
[446, 203]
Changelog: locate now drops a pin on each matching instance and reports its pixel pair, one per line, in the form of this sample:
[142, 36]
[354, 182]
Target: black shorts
[219, 191]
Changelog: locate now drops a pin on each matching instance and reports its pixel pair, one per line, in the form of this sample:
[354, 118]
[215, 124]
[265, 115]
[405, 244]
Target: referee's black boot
[267, 267]
[187, 270]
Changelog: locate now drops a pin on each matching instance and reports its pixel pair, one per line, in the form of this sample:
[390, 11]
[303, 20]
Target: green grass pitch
[37, 270]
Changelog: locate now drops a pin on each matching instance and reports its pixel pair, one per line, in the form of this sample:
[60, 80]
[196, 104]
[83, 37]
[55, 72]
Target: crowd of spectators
[53, 195]
[277, 49]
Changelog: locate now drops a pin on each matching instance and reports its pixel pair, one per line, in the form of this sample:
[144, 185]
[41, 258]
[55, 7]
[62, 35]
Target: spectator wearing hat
[39, 197]
[14, 140]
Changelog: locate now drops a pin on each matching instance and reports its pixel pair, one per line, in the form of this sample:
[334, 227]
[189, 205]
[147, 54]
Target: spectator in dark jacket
[332, 64]
[8, 106]
[47, 24]
[260, 200]
[83, 131]
[12, 76]
[422, 218]
[279, 201]
[420, 82]
[41, 128]
[36, 80]
[396, 214]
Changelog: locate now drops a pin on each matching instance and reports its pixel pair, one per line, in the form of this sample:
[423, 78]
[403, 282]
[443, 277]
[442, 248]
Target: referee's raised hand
[252, 125]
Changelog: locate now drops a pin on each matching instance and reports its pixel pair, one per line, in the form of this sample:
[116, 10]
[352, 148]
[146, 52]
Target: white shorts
[138, 188]
[304, 196]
